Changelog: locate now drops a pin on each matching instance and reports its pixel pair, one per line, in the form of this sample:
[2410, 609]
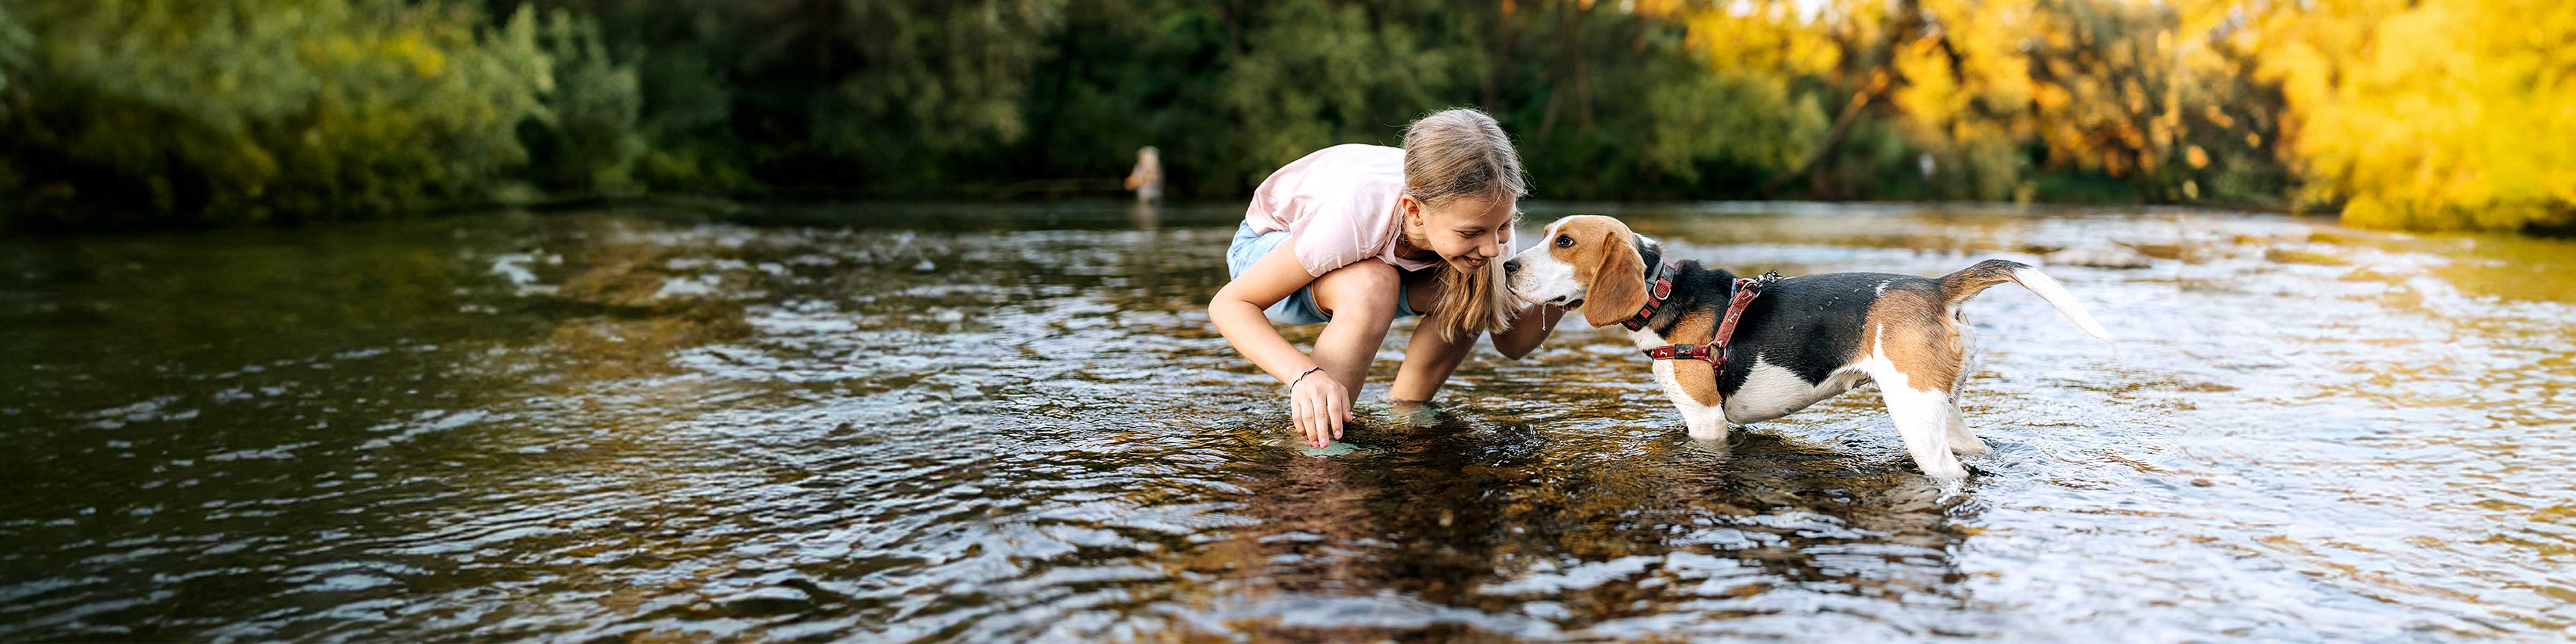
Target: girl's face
[1467, 232]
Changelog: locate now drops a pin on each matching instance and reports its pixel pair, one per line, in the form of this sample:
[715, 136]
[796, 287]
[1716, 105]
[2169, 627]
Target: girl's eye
[1564, 241]
[1471, 234]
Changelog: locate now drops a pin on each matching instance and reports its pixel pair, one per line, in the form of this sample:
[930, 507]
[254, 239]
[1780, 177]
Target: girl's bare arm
[1530, 326]
[1320, 403]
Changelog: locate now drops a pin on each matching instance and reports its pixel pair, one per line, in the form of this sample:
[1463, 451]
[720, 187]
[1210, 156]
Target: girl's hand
[1530, 326]
[1321, 405]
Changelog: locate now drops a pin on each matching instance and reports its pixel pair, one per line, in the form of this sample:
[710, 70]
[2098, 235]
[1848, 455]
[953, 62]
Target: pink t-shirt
[1339, 206]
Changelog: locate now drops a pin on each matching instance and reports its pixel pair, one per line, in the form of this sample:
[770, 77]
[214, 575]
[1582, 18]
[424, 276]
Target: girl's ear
[1618, 288]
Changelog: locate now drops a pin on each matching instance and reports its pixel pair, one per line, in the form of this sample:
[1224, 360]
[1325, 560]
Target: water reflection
[969, 421]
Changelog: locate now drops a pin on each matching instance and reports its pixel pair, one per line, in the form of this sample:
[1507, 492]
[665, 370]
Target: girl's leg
[1360, 299]
[1428, 359]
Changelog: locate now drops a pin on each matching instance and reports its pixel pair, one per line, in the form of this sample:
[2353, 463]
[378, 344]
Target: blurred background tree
[2399, 113]
[243, 110]
[2444, 115]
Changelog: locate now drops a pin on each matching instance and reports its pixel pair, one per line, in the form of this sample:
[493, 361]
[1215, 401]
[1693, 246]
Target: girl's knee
[1364, 288]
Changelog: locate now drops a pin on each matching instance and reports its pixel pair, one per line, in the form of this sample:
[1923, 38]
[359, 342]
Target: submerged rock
[2099, 258]
[2158, 251]
[2296, 256]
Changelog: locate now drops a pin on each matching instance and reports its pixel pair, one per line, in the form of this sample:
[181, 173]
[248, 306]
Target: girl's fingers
[1323, 420]
[1304, 416]
[1341, 413]
[1313, 425]
[1323, 416]
[1315, 428]
[1303, 413]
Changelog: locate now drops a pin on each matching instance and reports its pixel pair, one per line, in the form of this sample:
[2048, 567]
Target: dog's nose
[1512, 266]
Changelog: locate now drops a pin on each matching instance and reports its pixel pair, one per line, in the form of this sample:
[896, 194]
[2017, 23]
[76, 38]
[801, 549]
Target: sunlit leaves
[2431, 114]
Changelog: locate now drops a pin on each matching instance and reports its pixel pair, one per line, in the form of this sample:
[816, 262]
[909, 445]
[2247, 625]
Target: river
[1004, 422]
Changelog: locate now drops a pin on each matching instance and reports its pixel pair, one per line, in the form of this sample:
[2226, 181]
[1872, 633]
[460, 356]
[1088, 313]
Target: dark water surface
[1009, 422]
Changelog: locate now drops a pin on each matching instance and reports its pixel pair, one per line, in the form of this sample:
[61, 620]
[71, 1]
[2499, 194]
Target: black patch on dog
[1811, 325]
[1651, 252]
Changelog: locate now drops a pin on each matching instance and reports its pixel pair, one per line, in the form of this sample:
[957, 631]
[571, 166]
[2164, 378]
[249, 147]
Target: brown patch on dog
[1912, 327]
[1695, 376]
[1603, 247]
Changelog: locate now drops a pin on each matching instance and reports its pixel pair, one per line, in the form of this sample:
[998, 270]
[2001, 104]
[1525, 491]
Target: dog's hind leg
[1961, 442]
[1923, 419]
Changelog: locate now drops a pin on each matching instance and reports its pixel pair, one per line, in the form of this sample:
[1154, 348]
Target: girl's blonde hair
[1454, 154]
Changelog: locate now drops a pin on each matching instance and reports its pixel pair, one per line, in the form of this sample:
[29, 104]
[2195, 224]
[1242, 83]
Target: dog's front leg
[1706, 420]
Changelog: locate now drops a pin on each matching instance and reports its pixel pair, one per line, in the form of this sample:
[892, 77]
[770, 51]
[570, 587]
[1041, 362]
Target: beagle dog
[1800, 340]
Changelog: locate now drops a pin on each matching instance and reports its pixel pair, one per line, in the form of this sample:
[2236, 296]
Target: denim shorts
[1298, 307]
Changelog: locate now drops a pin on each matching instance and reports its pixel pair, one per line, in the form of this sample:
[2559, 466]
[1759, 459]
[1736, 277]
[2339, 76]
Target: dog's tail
[1968, 282]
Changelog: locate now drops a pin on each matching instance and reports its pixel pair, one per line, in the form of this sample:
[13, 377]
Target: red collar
[1659, 287]
[1715, 351]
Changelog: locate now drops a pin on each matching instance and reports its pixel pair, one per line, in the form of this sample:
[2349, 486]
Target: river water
[935, 421]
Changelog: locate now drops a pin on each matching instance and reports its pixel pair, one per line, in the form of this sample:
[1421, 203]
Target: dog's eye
[1564, 241]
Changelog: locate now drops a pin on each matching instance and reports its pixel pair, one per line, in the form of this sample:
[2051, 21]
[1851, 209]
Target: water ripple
[644, 425]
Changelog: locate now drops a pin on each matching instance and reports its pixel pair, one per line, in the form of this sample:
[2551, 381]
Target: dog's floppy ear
[1618, 288]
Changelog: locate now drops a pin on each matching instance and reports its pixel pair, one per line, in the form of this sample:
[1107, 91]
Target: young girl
[1355, 236]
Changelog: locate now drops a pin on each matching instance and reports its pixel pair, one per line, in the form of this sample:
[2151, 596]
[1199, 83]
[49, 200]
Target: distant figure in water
[1147, 178]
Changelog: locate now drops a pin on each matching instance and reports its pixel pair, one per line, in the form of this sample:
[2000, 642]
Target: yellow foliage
[2409, 113]
[1768, 36]
[2432, 114]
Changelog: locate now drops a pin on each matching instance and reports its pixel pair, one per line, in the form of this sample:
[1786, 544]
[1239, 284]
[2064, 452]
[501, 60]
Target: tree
[247, 110]
[2440, 114]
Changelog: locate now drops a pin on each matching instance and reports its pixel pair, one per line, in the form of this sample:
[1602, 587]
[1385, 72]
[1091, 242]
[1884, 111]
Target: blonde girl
[1355, 236]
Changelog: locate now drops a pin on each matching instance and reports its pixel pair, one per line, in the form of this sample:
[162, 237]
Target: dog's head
[1590, 261]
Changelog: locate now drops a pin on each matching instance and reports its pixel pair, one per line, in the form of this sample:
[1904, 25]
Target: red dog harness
[1715, 351]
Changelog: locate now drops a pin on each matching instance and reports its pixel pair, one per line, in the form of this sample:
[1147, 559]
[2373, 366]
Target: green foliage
[1601, 103]
[945, 77]
[1310, 74]
[1622, 106]
[586, 135]
[249, 109]
[14, 43]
